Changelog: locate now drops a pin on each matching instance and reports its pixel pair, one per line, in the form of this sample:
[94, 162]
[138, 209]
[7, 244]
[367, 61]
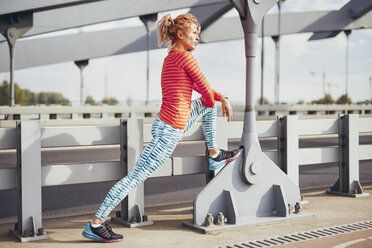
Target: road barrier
[29, 137]
[95, 115]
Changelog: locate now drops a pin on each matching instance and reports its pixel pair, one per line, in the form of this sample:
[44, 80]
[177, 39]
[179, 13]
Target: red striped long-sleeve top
[180, 76]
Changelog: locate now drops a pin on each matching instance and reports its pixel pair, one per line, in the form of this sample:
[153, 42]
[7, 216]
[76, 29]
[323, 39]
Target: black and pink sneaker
[103, 233]
[223, 158]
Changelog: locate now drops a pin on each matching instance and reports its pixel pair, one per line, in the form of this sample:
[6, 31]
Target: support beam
[352, 11]
[29, 226]
[292, 23]
[45, 51]
[11, 6]
[96, 12]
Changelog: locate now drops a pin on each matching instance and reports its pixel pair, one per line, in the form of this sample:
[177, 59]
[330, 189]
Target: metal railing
[29, 138]
[94, 115]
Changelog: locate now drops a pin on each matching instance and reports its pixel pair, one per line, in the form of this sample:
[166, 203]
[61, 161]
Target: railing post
[131, 146]
[348, 183]
[29, 226]
[288, 146]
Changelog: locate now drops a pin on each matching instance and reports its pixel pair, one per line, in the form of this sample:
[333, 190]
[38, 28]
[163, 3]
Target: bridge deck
[167, 231]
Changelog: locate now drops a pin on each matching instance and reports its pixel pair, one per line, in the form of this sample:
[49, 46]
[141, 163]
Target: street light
[323, 81]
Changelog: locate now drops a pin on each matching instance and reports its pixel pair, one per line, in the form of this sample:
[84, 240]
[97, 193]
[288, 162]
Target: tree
[5, 94]
[90, 101]
[30, 98]
[27, 97]
[265, 101]
[344, 99]
[110, 101]
[327, 99]
[52, 98]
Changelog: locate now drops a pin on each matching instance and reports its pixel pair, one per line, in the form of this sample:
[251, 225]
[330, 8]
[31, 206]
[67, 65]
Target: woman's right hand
[227, 109]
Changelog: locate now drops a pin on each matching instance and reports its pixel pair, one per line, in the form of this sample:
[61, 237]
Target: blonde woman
[180, 76]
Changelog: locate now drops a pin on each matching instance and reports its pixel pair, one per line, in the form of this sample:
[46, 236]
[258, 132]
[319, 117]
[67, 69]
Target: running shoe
[103, 233]
[223, 158]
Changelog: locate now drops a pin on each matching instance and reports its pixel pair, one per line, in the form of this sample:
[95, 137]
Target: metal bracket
[34, 235]
[12, 27]
[136, 221]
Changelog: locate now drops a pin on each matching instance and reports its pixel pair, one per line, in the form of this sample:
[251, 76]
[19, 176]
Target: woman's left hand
[227, 109]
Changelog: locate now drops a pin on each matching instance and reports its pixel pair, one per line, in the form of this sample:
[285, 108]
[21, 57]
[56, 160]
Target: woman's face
[190, 37]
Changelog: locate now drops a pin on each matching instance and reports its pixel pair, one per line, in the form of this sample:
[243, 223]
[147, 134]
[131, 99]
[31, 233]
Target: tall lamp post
[323, 80]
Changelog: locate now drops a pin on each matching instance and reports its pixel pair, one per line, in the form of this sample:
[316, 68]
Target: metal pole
[81, 86]
[347, 33]
[324, 82]
[370, 89]
[11, 93]
[278, 55]
[277, 61]
[149, 21]
[262, 59]
[81, 64]
[148, 66]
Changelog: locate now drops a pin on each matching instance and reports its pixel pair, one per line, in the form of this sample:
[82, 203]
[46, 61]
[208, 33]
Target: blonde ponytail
[163, 27]
[168, 28]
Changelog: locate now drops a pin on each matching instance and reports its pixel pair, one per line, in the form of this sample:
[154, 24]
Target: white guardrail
[29, 137]
[94, 115]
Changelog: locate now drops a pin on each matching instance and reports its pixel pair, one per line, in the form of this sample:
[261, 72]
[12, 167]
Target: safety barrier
[28, 138]
[82, 115]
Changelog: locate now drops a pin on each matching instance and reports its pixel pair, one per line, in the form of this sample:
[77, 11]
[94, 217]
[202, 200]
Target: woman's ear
[179, 35]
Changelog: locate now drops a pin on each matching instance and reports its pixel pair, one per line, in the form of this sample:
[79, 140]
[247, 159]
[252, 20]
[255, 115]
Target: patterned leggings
[165, 139]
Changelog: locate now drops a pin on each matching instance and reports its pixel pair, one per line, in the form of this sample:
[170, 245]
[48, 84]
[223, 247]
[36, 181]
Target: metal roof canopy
[351, 12]
[97, 12]
[15, 6]
[292, 23]
[37, 52]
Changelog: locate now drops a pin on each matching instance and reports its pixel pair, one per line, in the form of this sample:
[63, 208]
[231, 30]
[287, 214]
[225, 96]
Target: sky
[223, 63]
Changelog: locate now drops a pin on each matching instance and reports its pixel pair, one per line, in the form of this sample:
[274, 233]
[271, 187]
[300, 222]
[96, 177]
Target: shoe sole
[97, 238]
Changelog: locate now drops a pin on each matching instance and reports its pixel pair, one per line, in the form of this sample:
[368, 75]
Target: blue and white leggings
[164, 140]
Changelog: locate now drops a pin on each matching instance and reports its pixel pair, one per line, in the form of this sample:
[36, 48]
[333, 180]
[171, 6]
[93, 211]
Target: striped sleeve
[201, 85]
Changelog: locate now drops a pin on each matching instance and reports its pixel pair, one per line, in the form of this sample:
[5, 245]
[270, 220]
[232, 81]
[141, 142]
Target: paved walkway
[328, 210]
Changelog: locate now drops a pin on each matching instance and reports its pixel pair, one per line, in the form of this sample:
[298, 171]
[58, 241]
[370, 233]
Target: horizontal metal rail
[52, 115]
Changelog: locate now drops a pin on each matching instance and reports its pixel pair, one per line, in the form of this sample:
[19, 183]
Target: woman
[180, 76]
